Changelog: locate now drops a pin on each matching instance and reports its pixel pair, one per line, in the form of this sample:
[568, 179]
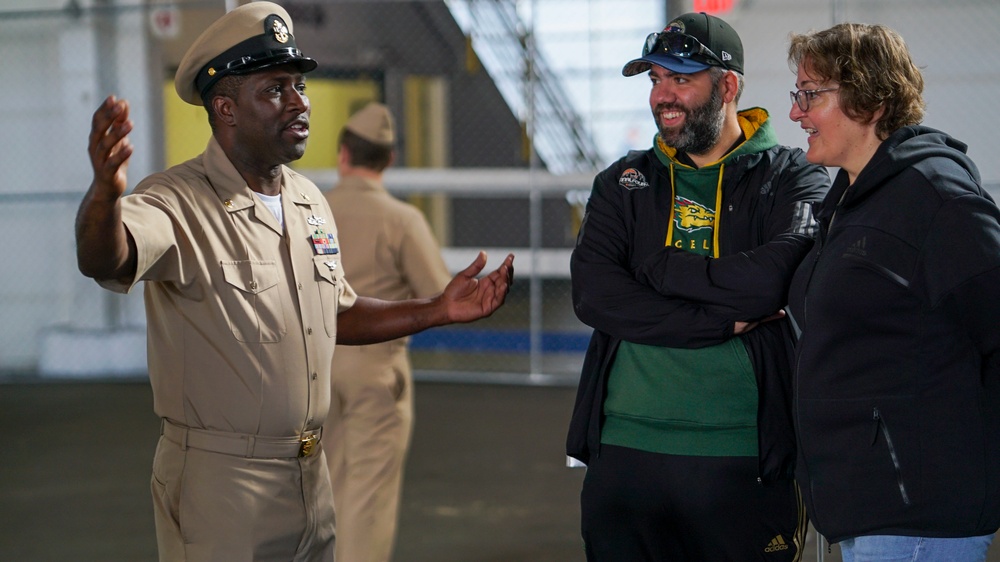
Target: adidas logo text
[777, 544]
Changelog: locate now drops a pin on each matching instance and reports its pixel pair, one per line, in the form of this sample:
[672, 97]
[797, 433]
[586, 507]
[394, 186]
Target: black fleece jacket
[897, 384]
[629, 286]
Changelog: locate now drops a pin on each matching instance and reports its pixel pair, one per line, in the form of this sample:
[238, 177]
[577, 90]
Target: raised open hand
[109, 148]
[470, 298]
[103, 247]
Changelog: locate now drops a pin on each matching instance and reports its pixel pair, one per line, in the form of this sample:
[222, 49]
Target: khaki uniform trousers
[367, 435]
[214, 507]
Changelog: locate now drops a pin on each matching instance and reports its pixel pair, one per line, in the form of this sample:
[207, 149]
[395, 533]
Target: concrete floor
[486, 481]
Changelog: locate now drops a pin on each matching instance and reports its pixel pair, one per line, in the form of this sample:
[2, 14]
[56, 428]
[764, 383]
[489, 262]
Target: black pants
[639, 506]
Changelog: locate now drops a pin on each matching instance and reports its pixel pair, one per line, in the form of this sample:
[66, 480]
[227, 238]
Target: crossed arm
[679, 299]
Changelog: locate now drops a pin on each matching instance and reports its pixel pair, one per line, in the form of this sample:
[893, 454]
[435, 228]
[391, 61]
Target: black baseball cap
[690, 43]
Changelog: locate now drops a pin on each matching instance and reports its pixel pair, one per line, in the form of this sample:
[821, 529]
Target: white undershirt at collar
[273, 202]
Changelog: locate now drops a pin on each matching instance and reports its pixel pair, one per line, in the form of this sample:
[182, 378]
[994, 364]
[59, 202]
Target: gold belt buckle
[307, 445]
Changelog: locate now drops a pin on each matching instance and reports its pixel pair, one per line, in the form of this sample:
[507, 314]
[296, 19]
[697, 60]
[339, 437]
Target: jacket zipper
[821, 237]
[821, 240]
[880, 424]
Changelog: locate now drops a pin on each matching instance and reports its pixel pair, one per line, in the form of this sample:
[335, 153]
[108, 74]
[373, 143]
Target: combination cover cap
[249, 38]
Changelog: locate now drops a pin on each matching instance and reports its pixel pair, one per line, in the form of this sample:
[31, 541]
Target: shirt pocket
[329, 277]
[252, 302]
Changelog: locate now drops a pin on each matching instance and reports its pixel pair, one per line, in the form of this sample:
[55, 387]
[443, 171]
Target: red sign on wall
[165, 21]
[715, 7]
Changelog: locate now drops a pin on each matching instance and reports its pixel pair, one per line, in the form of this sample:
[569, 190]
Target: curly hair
[873, 69]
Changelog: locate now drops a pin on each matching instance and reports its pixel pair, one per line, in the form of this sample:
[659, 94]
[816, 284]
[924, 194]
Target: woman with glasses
[897, 384]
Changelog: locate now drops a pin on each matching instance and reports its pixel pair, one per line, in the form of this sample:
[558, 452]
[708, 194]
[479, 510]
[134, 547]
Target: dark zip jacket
[628, 286]
[897, 403]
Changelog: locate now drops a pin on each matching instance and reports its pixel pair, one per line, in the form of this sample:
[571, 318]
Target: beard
[702, 126]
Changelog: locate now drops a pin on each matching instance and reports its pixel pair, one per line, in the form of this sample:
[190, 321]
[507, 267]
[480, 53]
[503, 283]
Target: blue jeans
[889, 548]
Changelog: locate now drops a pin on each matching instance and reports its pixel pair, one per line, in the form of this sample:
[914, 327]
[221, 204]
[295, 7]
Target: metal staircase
[505, 47]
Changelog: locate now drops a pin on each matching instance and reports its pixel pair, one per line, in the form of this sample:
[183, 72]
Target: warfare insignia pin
[316, 221]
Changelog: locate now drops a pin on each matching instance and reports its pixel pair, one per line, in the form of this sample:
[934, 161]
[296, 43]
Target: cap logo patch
[676, 26]
[726, 56]
[633, 179]
[279, 29]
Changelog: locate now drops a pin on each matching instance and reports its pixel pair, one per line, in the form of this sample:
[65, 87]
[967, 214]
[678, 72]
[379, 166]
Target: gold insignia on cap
[280, 31]
[211, 72]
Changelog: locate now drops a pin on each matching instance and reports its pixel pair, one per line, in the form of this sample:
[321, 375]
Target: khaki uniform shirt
[242, 316]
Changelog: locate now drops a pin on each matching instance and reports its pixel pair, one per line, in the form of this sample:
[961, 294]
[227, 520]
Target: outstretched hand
[469, 298]
[109, 148]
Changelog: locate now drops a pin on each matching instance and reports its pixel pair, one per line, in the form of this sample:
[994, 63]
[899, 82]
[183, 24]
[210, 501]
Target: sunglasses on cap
[680, 45]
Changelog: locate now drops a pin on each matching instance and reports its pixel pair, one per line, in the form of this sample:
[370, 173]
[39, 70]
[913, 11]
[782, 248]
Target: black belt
[241, 444]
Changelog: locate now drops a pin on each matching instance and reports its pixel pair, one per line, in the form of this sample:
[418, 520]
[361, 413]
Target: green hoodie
[689, 401]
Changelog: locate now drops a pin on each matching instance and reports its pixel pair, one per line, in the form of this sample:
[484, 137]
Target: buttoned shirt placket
[298, 206]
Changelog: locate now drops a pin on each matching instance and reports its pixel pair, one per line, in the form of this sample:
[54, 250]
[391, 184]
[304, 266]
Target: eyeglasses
[680, 45]
[804, 97]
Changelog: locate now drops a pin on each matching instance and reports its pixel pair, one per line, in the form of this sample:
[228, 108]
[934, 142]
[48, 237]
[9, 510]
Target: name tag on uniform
[324, 242]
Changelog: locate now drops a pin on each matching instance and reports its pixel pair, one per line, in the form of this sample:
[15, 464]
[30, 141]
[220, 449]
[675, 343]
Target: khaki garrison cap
[252, 37]
[373, 123]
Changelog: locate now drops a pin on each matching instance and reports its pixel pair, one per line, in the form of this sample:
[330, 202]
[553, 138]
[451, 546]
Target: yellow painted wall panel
[333, 102]
[185, 127]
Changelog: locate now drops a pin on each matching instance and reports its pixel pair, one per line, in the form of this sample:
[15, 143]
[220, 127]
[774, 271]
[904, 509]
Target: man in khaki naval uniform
[389, 253]
[245, 300]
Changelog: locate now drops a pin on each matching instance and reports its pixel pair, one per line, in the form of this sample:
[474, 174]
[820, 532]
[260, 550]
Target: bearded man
[682, 267]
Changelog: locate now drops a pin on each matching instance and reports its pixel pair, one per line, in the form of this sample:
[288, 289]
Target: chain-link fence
[506, 109]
